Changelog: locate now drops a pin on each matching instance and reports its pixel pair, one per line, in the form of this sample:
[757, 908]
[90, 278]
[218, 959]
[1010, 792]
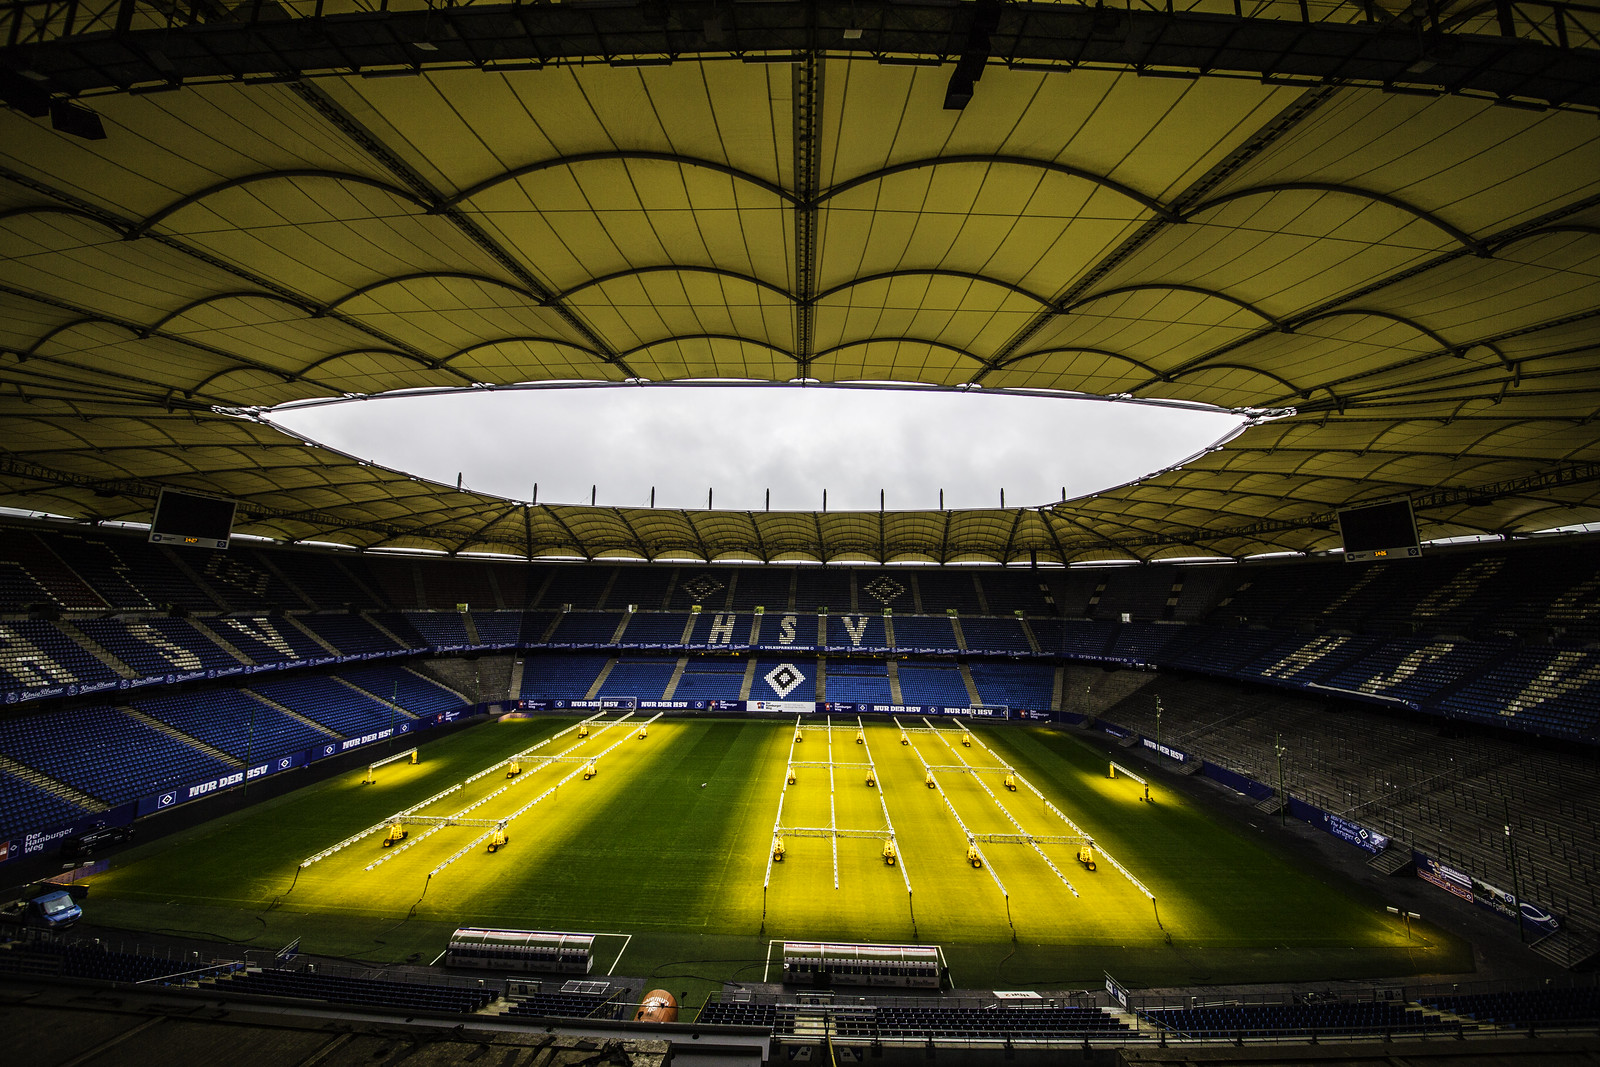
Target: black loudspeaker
[76, 120]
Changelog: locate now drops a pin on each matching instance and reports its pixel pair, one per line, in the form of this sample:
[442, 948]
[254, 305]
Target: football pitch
[667, 849]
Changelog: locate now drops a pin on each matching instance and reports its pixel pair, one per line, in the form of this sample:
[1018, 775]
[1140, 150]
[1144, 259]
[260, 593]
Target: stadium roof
[1381, 223]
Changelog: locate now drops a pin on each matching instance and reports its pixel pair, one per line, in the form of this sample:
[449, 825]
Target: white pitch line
[900, 857]
[627, 940]
[777, 822]
[833, 818]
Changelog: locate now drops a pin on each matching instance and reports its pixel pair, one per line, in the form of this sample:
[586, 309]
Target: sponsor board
[1354, 833]
[1345, 830]
[610, 704]
[365, 739]
[1494, 898]
[1459, 883]
[170, 798]
[787, 707]
[34, 842]
[1166, 750]
[17, 696]
[1537, 917]
[932, 709]
[1456, 883]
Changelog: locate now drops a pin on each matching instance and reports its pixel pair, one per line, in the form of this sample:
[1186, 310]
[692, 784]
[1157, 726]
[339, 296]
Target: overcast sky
[742, 441]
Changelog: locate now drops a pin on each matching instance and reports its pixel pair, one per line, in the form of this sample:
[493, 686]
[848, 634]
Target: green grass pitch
[675, 868]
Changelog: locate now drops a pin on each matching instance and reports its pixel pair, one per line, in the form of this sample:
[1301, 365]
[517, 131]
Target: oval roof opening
[743, 446]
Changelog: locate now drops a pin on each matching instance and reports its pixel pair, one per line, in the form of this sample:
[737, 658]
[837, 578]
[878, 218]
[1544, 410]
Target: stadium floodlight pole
[249, 749]
[394, 705]
[1516, 888]
[1283, 798]
[1158, 720]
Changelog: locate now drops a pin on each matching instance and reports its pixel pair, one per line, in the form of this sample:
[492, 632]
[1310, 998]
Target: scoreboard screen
[196, 521]
[1386, 530]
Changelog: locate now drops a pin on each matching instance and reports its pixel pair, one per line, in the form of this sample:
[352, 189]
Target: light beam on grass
[502, 823]
[972, 842]
[777, 823]
[413, 809]
[459, 818]
[1021, 830]
[900, 857]
[833, 831]
[1140, 886]
[532, 749]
